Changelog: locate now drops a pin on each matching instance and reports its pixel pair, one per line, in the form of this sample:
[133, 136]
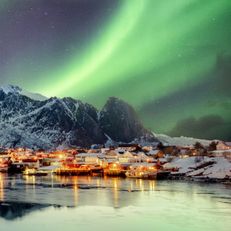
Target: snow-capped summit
[17, 90]
[10, 89]
[49, 123]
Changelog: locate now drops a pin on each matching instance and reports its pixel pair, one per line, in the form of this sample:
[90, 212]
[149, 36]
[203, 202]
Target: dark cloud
[207, 127]
[225, 104]
[223, 75]
[213, 94]
[217, 83]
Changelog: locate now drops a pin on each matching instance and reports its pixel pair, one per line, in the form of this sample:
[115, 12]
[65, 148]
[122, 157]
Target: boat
[96, 170]
[76, 171]
[16, 167]
[140, 175]
[141, 172]
[34, 172]
[115, 170]
[3, 167]
[163, 175]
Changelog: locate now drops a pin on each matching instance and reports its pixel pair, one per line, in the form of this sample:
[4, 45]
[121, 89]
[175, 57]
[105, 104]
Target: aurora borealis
[170, 59]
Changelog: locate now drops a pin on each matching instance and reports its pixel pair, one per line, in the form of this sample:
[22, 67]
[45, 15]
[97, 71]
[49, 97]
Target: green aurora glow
[146, 51]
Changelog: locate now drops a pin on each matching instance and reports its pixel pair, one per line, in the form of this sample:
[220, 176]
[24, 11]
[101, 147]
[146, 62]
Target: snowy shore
[200, 168]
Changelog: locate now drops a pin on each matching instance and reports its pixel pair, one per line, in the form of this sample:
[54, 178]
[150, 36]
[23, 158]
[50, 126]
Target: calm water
[91, 203]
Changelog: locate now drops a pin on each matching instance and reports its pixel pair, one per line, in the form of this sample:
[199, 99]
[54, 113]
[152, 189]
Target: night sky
[170, 59]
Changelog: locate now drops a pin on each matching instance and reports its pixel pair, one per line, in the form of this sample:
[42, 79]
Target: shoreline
[171, 178]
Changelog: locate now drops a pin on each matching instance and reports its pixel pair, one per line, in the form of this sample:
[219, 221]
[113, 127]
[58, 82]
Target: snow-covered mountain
[15, 89]
[181, 141]
[28, 121]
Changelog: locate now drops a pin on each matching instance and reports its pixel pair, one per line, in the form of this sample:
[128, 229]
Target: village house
[156, 153]
[221, 153]
[105, 150]
[221, 145]
[126, 157]
[142, 157]
[147, 148]
[90, 158]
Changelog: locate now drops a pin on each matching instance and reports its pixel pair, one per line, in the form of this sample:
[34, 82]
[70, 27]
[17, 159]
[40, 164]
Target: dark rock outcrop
[120, 122]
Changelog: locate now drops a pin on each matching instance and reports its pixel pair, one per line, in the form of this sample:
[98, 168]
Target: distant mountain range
[34, 121]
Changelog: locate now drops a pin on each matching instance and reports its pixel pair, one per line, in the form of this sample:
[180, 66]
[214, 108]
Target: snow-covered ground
[202, 167]
[181, 141]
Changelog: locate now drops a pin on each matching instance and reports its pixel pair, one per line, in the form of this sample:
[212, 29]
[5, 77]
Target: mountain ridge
[66, 122]
[181, 140]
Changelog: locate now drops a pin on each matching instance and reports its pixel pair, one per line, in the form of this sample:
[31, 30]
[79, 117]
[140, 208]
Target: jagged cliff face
[54, 122]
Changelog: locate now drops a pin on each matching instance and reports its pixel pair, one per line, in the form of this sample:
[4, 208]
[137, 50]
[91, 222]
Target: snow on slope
[34, 96]
[10, 89]
[203, 167]
[15, 89]
[181, 141]
[26, 122]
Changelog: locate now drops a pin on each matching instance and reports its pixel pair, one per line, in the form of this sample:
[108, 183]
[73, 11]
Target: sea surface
[94, 203]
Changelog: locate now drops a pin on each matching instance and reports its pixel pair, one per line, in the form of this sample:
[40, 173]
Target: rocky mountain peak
[119, 121]
[49, 123]
[15, 90]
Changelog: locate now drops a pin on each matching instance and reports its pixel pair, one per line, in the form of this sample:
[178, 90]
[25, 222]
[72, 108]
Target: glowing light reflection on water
[87, 203]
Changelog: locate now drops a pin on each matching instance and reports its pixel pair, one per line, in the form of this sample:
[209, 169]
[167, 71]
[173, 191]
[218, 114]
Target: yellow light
[1, 188]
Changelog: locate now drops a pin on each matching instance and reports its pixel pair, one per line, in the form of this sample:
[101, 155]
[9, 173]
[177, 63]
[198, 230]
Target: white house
[90, 158]
[223, 145]
[127, 157]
